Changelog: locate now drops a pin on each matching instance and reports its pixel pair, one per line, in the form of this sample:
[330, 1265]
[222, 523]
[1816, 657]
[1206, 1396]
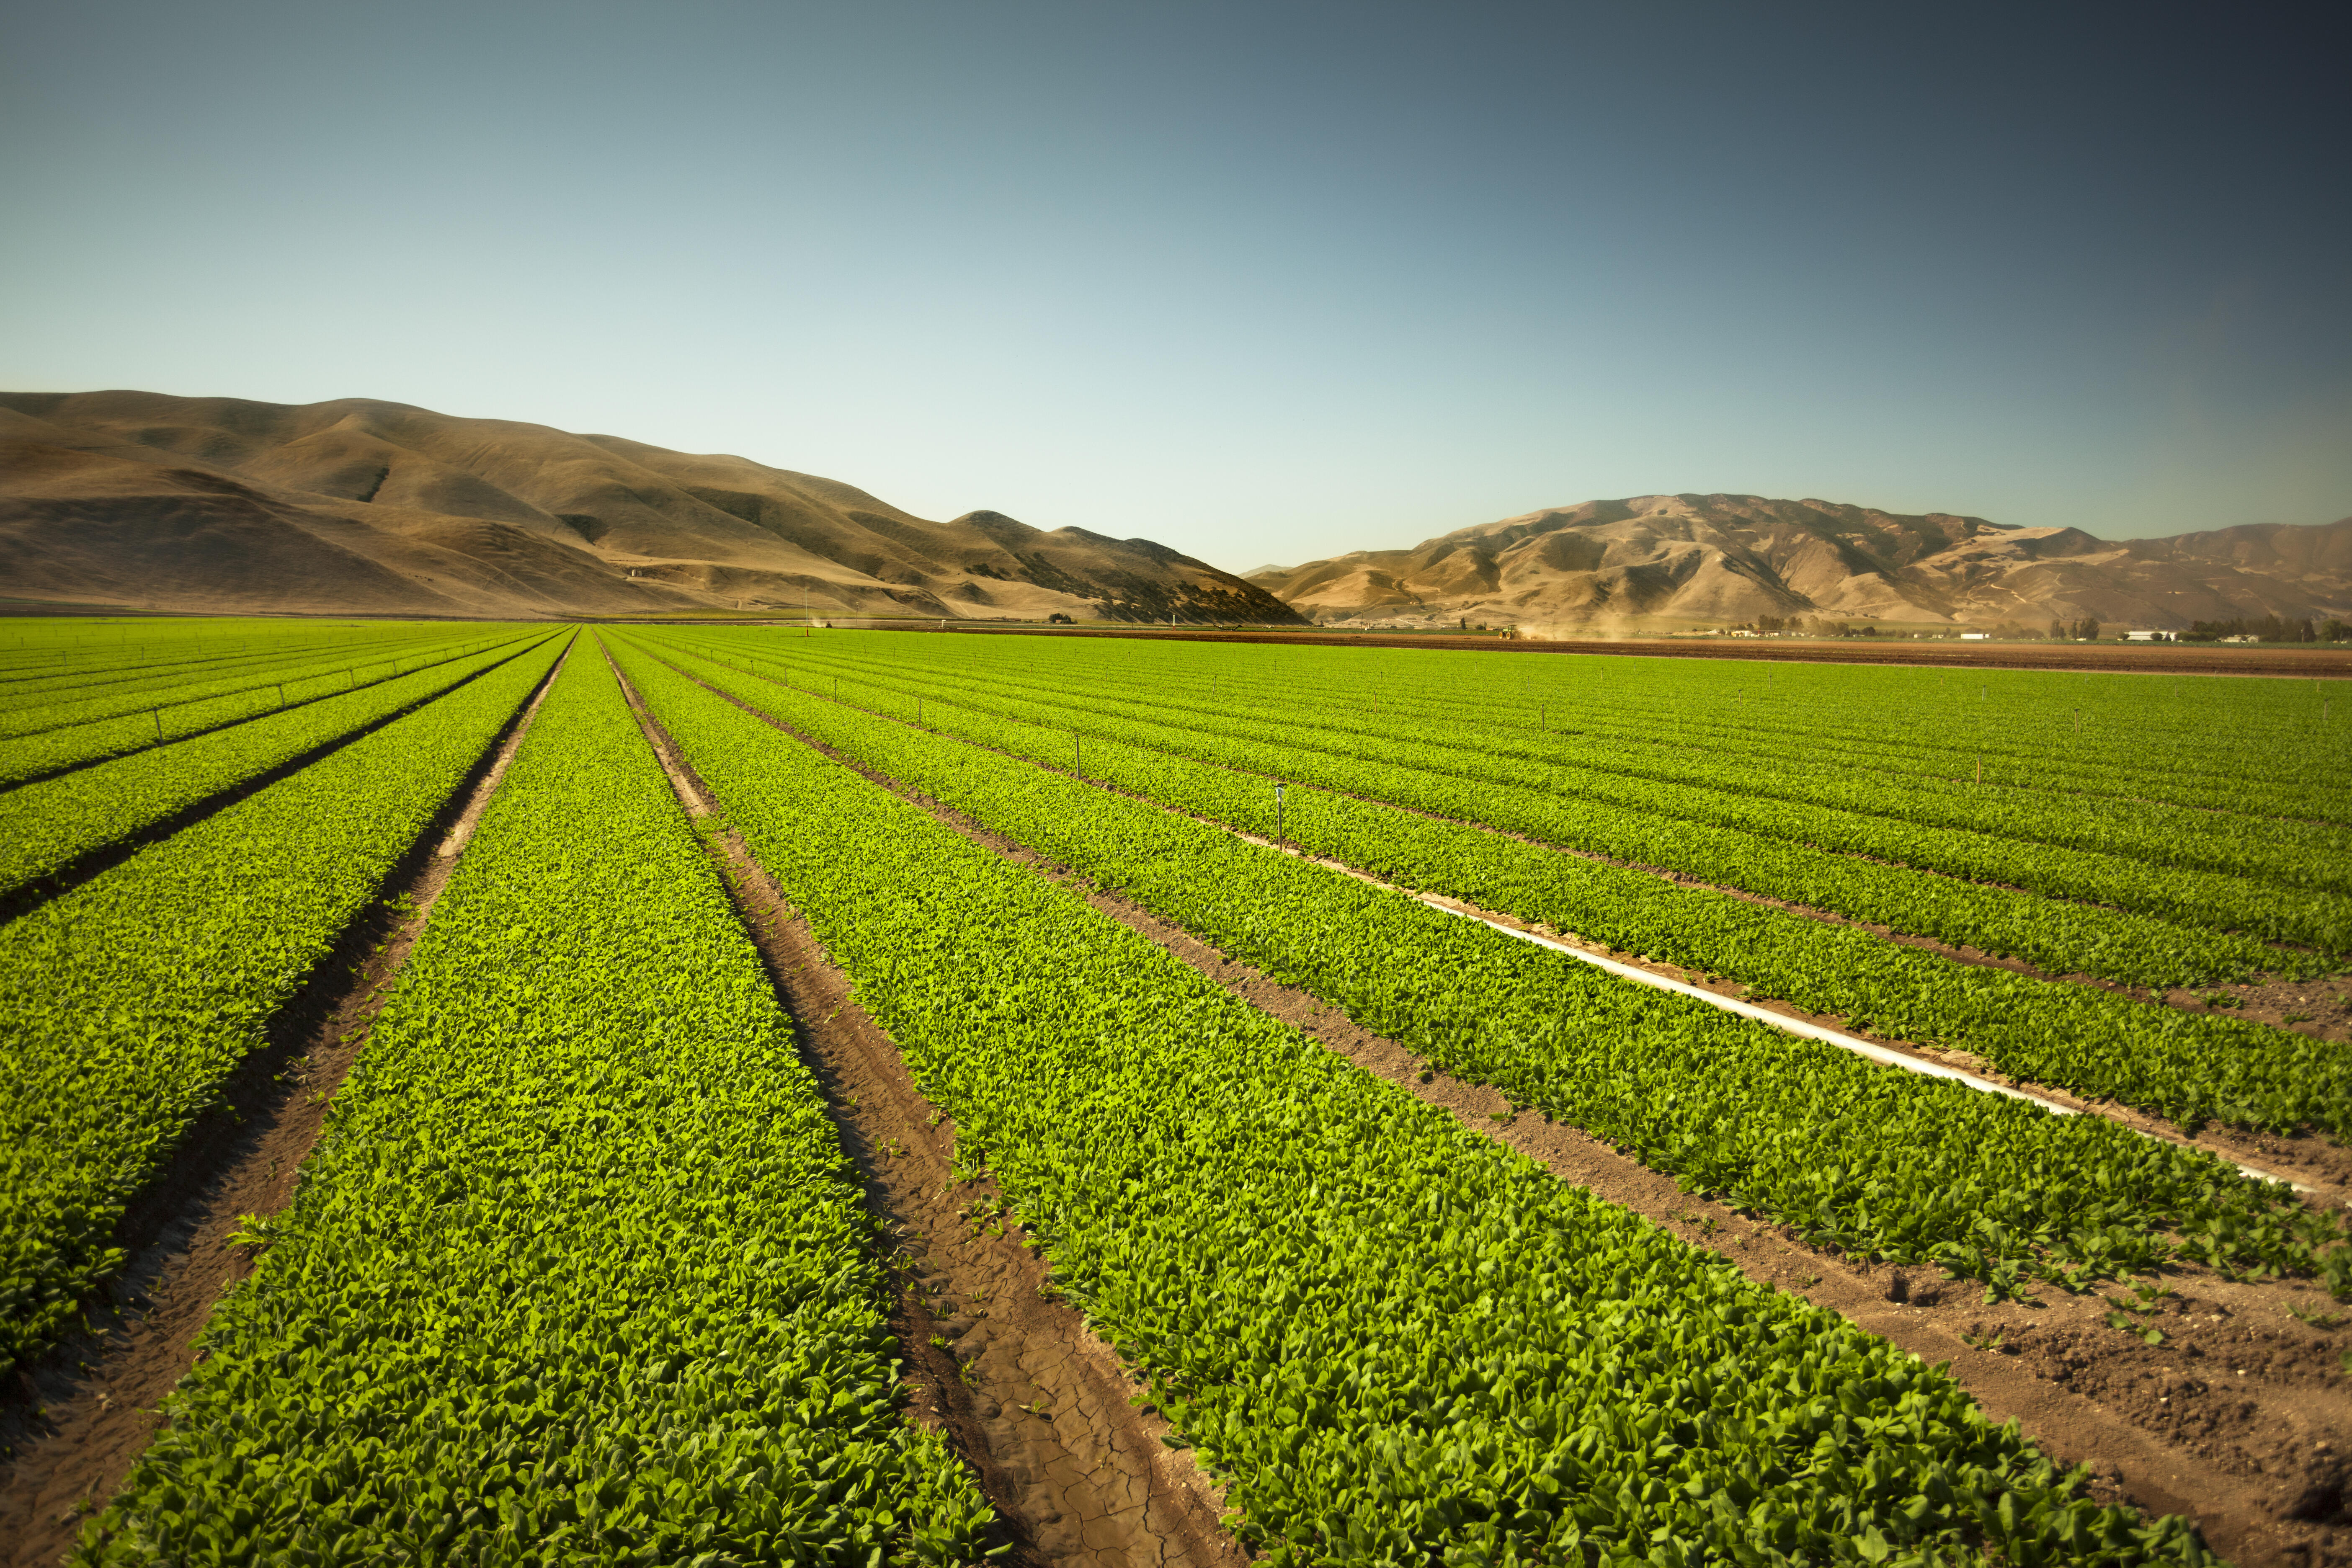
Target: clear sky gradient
[1265, 281]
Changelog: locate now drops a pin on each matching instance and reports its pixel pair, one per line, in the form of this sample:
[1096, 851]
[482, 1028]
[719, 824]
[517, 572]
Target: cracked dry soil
[1038, 1406]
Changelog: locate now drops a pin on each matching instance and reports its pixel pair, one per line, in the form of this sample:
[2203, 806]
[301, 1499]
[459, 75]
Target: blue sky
[1262, 281]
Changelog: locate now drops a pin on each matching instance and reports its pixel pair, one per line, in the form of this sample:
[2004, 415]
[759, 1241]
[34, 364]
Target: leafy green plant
[125, 1002]
[2191, 1068]
[1707, 818]
[1992, 1189]
[1391, 1339]
[113, 711]
[582, 1273]
[252, 1232]
[47, 826]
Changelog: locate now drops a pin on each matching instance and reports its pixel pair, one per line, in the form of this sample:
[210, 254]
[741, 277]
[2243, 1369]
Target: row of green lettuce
[105, 695]
[580, 1272]
[1525, 781]
[1719, 752]
[48, 826]
[1393, 1339]
[125, 1002]
[2188, 1067]
[1864, 1158]
[1900, 730]
[2186, 741]
[241, 699]
[37, 676]
[2054, 935]
[24, 698]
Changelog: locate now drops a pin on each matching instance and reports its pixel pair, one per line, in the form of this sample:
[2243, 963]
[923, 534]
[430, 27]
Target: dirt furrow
[2311, 1162]
[2320, 1008]
[283, 706]
[74, 1425]
[2241, 1418]
[1036, 1404]
[2320, 1005]
[106, 857]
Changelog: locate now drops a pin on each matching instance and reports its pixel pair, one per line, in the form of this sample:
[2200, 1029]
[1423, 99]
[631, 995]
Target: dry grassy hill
[1730, 559]
[216, 504]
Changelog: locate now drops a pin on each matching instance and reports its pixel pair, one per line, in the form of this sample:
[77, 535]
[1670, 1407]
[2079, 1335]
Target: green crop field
[1475, 1107]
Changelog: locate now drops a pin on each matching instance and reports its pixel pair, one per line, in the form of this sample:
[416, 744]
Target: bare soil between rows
[72, 1426]
[2310, 1160]
[2320, 1008]
[2241, 1419]
[105, 857]
[62, 769]
[1036, 1405]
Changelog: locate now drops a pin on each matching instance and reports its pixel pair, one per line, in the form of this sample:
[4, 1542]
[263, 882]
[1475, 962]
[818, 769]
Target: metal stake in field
[159, 724]
[1278, 812]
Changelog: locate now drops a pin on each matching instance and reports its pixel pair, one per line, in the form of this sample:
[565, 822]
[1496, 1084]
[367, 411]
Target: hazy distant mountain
[216, 504]
[1727, 559]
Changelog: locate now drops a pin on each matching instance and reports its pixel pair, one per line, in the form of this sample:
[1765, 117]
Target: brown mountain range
[1725, 559]
[214, 503]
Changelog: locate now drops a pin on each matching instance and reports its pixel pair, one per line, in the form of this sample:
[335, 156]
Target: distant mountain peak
[1727, 559]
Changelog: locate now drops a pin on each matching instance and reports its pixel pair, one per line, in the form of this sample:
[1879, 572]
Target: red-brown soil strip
[2241, 1419]
[72, 1426]
[1033, 1401]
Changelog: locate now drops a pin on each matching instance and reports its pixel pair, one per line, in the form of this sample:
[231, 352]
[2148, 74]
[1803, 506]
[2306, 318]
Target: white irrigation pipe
[1828, 1037]
[1844, 1042]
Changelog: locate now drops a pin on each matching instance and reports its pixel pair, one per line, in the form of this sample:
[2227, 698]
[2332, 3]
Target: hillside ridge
[361, 505]
[1737, 559]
